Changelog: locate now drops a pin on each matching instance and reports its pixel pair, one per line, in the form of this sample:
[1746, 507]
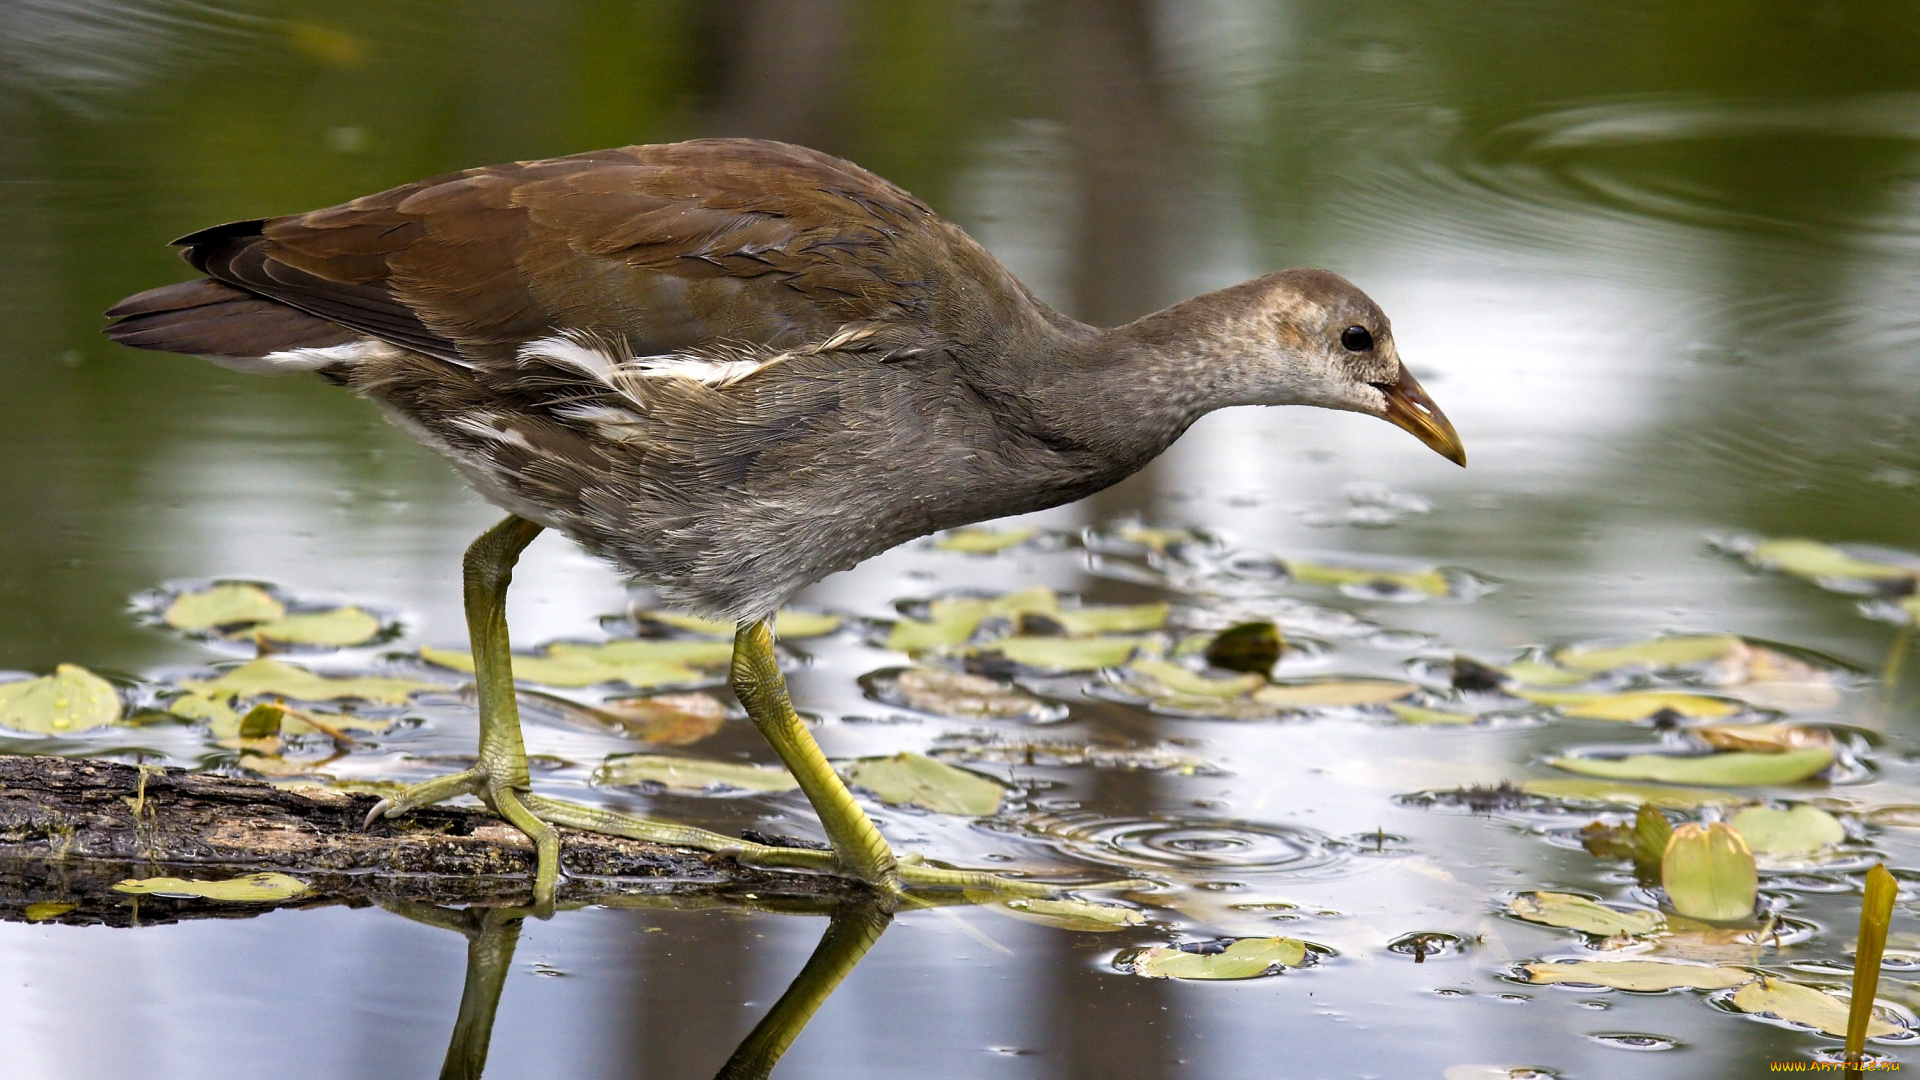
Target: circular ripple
[1205, 844]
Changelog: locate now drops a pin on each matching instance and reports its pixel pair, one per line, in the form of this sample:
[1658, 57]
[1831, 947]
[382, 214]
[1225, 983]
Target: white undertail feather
[298, 361]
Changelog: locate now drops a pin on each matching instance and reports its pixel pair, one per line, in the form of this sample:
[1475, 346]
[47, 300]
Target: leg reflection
[492, 934]
[853, 930]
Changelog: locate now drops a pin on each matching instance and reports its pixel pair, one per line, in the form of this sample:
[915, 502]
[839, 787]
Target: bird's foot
[537, 816]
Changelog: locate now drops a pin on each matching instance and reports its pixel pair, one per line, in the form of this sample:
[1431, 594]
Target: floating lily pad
[338, 628]
[254, 888]
[646, 651]
[48, 909]
[586, 666]
[1649, 976]
[1330, 693]
[1773, 680]
[1708, 873]
[269, 676]
[1824, 563]
[952, 620]
[1153, 539]
[909, 779]
[692, 774]
[1603, 792]
[1805, 1005]
[1245, 958]
[1571, 912]
[1172, 677]
[958, 693]
[67, 702]
[1371, 583]
[1770, 738]
[1802, 830]
[979, 541]
[1664, 652]
[788, 625]
[230, 604]
[1052, 754]
[1112, 618]
[1631, 705]
[1064, 654]
[1415, 714]
[1736, 768]
[666, 719]
[1071, 914]
[223, 718]
[1536, 673]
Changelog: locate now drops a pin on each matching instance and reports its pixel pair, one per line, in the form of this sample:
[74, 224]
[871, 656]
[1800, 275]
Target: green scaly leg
[499, 778]
[858, 848]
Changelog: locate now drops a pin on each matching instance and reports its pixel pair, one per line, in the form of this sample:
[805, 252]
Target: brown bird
[733, 367]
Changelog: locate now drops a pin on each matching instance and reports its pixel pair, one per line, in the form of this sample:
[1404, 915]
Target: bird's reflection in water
[492, 933]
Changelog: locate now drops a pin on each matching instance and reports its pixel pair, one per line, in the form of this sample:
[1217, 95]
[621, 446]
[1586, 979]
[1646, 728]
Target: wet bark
[70, 829]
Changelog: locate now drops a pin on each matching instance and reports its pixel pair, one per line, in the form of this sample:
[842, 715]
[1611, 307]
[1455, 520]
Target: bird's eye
[1356, 339]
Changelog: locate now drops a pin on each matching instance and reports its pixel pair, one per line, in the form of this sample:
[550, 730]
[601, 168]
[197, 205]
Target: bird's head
[1309, 337]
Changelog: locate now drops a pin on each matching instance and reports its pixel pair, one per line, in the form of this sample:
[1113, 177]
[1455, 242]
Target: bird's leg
[851, 932]
[858, 848]
[499, 778]
[857, 844]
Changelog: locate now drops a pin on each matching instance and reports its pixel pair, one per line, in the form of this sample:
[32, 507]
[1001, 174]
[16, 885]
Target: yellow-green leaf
[211, 710]
[1415, 714]
[692, 774]
[1642, 975]
[339, 628]
[1571, 912]
[575, 670]
[909, 779]
[1537, 673]
[269, 676]
[1112, 618]
[1664, 652]
[1605, 792]
[1805, 1005]
[979, 541]
[222, 605]
[1064, 654]
[1071, 914]
[1802, 830]
[1327, 693]
[1708, 873]
[1247, 958]
[48, 909]
[1652, 832]
[254, 888]
[1631, 705]
[1425, 582]
[788, 625]
[647, 652]
[953, 620]
[69, 701]
[1815, 560]
[1737, 768]
[1179, 680]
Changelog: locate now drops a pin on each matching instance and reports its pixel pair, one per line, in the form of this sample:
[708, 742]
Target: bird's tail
[231, 327]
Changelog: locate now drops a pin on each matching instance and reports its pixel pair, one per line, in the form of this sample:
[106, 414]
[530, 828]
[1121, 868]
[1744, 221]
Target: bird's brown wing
[669, 247]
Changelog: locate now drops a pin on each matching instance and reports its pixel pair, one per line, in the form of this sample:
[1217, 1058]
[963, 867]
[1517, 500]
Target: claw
[379, 811]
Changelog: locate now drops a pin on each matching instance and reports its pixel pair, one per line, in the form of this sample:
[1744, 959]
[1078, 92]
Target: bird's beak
[1409, 407]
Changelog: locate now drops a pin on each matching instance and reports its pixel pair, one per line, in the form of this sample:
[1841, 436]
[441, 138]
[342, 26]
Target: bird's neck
[1125, 394]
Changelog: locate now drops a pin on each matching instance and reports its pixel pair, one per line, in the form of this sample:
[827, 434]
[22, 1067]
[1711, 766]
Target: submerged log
[71, 829]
